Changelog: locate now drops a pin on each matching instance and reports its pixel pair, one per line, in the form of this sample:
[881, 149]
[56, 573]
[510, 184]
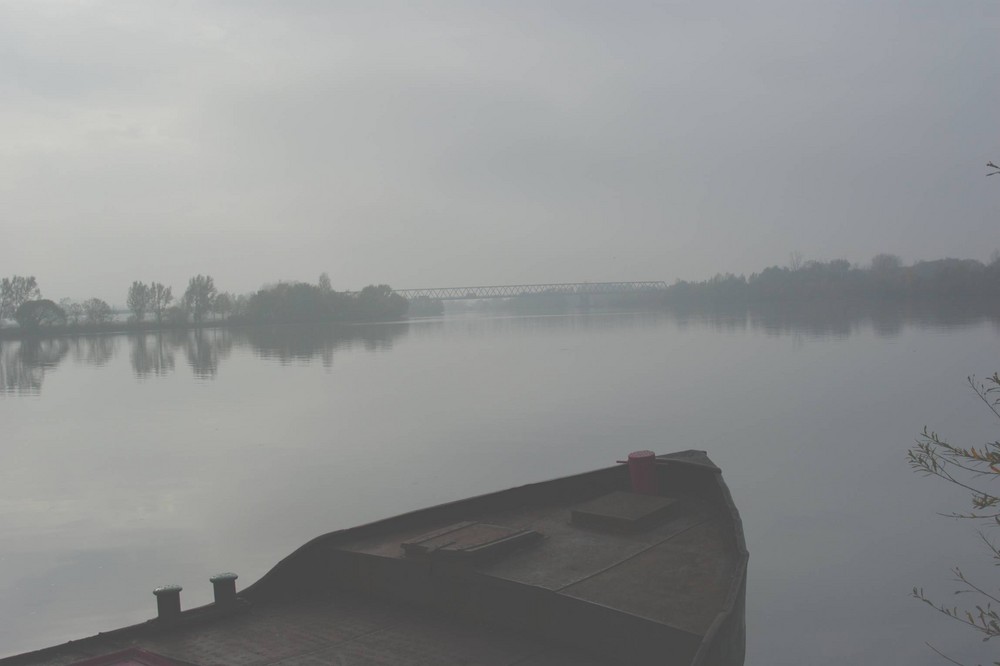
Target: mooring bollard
[225, 588]
[168, 602]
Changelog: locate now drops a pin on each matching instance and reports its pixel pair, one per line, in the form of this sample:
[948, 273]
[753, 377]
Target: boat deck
[347, 630]
[576, 570]
[687, 554]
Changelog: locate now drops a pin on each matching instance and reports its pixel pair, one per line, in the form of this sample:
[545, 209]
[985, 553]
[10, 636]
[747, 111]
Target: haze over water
[448, 143]
[128, 465]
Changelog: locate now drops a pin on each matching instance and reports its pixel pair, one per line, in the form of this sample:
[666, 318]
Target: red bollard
[642, 469]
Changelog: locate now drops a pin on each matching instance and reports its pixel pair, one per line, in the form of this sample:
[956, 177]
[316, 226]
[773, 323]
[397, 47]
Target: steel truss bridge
[512, 290]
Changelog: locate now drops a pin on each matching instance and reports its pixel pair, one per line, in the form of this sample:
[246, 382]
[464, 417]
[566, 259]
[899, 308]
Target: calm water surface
[130, 462]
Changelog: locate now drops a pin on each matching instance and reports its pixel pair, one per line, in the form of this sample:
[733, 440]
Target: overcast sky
[448, 144]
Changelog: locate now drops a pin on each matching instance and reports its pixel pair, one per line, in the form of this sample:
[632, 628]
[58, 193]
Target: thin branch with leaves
[972, 469]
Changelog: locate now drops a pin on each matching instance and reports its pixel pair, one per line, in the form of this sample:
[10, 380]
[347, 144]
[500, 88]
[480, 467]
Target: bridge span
[512, 290]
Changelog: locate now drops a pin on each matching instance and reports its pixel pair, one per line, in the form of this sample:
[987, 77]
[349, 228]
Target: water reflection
[23, 364]
[839, 320]
[94, 349]
[205, 348]
[151, 355]
[306, 343]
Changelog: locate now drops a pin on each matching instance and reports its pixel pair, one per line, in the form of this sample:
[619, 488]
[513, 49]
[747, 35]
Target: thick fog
[434, 144]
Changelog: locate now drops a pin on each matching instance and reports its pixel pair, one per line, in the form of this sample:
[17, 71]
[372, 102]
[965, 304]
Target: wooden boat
[577, 570]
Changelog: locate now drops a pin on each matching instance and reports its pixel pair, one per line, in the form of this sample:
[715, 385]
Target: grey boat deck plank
[570, 553]
[615, 569]
[694, 566]
[344, 630]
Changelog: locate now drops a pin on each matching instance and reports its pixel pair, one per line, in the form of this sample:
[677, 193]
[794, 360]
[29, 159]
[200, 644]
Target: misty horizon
[794, 262]
[247, 256]
[454, 144]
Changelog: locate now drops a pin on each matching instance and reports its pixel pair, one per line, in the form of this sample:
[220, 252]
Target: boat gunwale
[269, 586]
[693, 458]
[335, 538]
[738, 582]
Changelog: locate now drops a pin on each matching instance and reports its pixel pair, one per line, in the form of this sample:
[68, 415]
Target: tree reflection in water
[94, 349]
[838, 319]
[23, 364]
[204, 348]
[151, 355]
[305, 343]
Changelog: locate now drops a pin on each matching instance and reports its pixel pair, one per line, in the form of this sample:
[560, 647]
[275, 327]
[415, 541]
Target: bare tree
[138, 300]
[73, 310]
[159, 299]
[14, 292]
[199, 296]
[97, 311]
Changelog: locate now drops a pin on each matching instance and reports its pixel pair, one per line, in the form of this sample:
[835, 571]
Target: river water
[130, 462]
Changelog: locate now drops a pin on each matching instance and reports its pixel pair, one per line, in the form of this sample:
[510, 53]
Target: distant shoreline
[830, 306]
[887, 286]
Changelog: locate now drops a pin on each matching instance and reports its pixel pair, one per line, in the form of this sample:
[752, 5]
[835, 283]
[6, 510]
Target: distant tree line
[152, 306]
[300, 302]
[884, 279]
